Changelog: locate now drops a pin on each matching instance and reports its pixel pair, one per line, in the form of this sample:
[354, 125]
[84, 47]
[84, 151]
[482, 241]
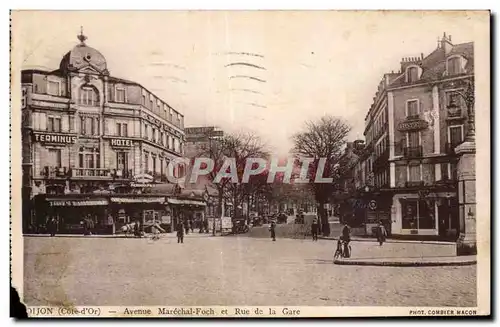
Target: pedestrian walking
[205, 225]
[381, 233]
[314, 229]
[180, 233]
[52, 226]
[186, 227]
[272, 229]
[137, 229]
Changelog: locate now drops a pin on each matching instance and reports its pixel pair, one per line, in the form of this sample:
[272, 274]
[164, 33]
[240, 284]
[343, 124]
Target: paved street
[227, 271]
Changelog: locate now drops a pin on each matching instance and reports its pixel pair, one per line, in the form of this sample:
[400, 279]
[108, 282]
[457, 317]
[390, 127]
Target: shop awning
[138, 199]
[187, 202]
[77, 202]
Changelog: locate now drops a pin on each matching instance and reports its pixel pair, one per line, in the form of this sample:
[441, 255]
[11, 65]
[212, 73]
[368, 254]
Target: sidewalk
[163, 235]
[410, 261]
[368, 239]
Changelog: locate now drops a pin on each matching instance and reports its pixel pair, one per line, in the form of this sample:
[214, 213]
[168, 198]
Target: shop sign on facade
[138, 200]
[143, 179]
[413, 125]
[77, 203]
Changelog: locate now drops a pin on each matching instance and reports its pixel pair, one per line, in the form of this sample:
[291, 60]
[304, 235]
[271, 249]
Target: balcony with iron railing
[413, 117]
[450, 147]
[91, 173]
[412, 152]
[55, 172]
[122, 173]
[414, 183]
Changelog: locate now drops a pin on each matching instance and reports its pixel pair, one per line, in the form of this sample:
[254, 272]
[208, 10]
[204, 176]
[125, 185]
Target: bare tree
[240, 147]
[322, 139]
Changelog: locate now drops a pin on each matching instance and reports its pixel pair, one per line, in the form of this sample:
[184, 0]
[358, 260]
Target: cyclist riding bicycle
[344, 240]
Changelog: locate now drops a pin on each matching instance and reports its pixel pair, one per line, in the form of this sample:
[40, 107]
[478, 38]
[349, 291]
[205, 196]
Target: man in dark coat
[314, 229]
[52, 226]
[180, 233]
[272, 228]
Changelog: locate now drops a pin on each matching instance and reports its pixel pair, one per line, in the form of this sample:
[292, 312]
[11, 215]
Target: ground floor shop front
[434, 215]
[105, 214]
[191, 213]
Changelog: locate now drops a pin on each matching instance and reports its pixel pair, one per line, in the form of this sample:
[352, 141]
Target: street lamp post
[466, 186]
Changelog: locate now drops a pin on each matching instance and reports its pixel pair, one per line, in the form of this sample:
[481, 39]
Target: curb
[404, 263]
[389, 241]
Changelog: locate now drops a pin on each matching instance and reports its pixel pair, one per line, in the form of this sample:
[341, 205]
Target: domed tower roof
[82, 56]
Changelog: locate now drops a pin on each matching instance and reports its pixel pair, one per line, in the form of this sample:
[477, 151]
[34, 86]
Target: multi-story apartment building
[87, 133]
[418, 118]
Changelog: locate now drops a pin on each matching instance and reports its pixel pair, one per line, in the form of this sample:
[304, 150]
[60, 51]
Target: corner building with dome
[93, 144]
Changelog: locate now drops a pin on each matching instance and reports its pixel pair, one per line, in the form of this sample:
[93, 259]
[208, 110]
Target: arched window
[88, 96]
[412, 74]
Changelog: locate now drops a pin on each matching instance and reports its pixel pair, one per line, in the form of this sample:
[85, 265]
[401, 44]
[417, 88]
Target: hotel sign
[54, 138]
[412, 125]
[121, 143]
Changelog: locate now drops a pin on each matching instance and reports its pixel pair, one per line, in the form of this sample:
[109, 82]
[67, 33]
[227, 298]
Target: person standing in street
[272, 228]
[314, 229]
[381, 233]
[180, 233]
[52, 226]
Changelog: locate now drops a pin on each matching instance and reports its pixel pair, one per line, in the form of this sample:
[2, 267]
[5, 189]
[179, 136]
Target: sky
[303, 65]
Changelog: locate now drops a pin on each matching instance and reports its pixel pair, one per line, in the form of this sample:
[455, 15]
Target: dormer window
[455, 65]
[412, 74]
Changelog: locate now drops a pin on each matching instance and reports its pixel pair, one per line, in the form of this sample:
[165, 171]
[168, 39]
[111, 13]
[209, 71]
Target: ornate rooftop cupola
[83, 58]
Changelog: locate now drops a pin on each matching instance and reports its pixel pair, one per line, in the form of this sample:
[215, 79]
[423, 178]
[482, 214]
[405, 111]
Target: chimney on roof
[446, 43]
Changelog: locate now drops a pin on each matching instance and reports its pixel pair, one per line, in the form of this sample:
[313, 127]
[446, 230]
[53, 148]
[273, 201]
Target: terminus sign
[54, 138]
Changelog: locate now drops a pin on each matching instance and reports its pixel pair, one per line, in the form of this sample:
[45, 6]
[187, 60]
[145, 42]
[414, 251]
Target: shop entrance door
[444, 220]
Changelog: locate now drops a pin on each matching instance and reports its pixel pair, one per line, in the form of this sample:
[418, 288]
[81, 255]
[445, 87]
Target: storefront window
[418, 214]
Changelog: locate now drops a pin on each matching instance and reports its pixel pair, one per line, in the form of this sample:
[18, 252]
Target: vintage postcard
[250, 163]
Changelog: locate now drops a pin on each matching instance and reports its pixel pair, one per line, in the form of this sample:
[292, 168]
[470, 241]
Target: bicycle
[343, 250]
